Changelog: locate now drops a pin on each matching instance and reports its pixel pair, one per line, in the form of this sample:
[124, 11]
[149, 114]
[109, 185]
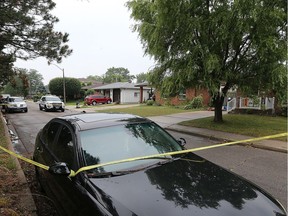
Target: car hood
[185, 187]
[19, 103]
[52, 101]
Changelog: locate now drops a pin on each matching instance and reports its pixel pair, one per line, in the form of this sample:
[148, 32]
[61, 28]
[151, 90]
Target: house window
[136, 94]
[182, 95]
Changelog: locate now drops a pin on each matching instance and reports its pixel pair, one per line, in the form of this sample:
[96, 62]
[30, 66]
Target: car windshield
[125, 141]
[15, 100]
[53, 99]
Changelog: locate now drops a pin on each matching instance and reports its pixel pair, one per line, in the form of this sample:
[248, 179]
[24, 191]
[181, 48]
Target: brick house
[184, 96]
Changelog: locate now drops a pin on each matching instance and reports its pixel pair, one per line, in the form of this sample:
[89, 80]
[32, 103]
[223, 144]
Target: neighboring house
[89, 84]
[183, 97]
[234, 100]
[124, 92]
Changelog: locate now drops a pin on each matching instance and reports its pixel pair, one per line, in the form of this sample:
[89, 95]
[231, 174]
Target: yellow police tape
[73, 173]
[25, 159]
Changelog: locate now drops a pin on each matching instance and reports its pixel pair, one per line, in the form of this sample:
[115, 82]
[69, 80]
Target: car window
[18, 100]
[15, 100]
[49, 133]
[63, 147]
[53, 99]
[125, 141]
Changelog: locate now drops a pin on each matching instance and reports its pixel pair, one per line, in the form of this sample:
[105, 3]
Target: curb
[255, 145]
[27, 201]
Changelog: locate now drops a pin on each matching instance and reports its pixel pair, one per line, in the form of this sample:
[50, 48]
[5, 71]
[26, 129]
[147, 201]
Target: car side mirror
[182, 141]
[59, 168]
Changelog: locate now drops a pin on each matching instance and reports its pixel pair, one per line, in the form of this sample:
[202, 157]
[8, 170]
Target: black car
[183, 184]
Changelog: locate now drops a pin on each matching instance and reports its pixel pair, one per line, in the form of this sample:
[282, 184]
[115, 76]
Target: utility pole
[64, 88]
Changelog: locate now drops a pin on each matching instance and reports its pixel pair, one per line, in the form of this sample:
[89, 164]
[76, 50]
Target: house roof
[143, 84]
[119, 85]
[93, 86]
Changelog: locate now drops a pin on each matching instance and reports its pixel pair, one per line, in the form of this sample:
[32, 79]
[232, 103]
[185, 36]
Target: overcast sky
[100, 36]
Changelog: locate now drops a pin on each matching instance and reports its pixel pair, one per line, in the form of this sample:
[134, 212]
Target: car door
[69, 194]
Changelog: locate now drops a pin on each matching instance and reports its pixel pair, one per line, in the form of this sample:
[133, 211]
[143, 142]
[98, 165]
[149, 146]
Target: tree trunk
[218, 103]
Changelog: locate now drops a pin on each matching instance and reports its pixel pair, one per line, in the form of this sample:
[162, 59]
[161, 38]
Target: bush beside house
[184, 98]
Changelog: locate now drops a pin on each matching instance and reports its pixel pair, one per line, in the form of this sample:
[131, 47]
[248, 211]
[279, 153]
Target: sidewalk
[272, 145]
[170, 122]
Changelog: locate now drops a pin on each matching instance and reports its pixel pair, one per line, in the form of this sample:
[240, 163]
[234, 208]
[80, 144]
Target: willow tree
[213, 44]
[27, 32]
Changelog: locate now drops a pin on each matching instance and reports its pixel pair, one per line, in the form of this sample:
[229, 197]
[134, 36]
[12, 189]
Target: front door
[116, 95]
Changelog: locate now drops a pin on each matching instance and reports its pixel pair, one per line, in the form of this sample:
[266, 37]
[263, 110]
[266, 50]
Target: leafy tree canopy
[95, 78]
[18, 84]
[117, 75]
[72, 87]
[27, 32]
[36, 84]
[142, 77]
[212, 43]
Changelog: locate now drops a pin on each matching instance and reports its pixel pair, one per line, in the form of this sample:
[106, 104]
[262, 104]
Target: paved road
[265, 168]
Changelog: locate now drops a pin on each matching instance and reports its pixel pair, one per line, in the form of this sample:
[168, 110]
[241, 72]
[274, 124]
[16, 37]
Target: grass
[5, 160]
[145, 111]
[8, 179]
[250, 125]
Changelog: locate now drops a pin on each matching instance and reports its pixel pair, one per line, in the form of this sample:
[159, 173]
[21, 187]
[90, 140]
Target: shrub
[36, 98]
[167, 102]
[196, 102]
[149, 102]
[90, 92]
[284, 111]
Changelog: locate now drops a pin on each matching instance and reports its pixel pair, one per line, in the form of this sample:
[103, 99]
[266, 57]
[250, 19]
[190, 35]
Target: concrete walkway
[170, 122]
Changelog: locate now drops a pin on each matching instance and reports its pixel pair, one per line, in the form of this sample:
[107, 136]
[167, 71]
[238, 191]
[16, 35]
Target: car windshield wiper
[164, 160]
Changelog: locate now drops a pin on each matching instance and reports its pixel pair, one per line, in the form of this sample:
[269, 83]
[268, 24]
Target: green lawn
[5, 159]
[251, 125]
[8, 174]
[145, 111]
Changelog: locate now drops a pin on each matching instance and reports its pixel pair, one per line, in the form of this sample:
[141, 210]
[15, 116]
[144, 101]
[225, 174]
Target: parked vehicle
[50, 102]
[94, 99]
[184, 184]
[14, 104]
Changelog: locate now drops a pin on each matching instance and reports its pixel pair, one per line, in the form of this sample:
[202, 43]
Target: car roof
[86, 121]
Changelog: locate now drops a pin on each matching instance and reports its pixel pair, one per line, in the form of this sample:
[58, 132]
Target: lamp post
[64, 89]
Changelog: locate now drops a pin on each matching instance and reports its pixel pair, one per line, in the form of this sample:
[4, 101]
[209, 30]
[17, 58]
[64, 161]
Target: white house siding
[132, 95]
[128, 92]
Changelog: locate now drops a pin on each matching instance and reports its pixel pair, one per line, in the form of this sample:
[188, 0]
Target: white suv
[12, 104]
[50, 102]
